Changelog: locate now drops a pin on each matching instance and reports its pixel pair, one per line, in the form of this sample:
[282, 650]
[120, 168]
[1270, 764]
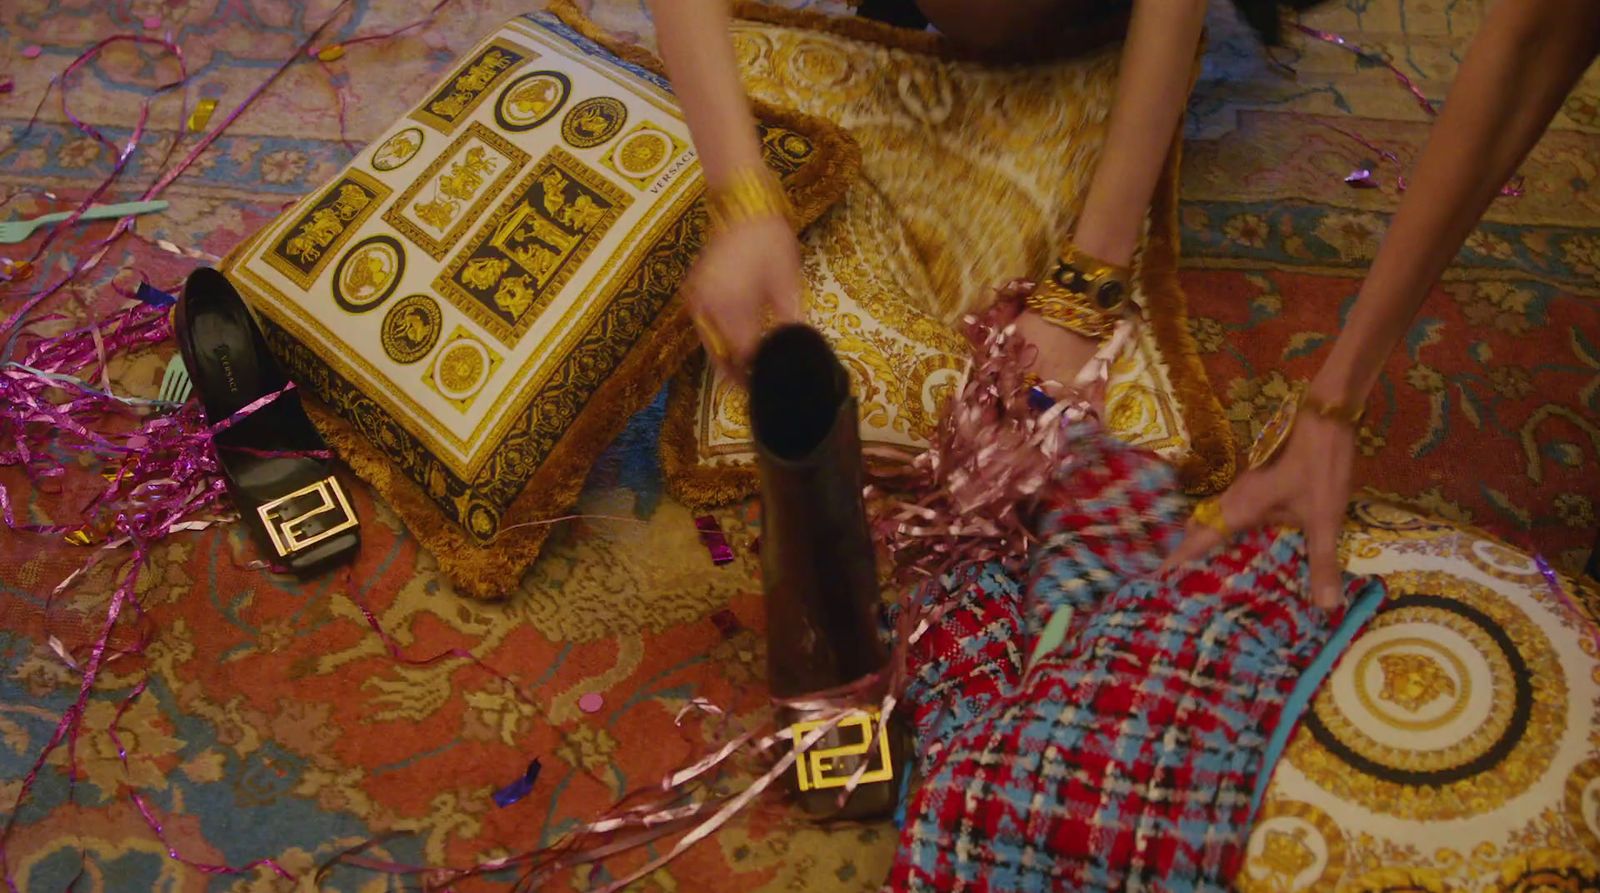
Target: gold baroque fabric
[971, 175]
[487, 292]
[1456, 745]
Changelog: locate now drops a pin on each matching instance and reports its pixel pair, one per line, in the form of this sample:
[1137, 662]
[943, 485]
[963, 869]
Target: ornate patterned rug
[277, 726]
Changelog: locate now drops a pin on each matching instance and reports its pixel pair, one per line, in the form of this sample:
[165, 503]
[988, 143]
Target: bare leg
[1152, 86]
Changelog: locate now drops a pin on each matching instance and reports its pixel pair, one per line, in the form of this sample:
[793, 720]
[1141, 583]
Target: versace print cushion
[1456, 745]
[485, 294]
[971, 175]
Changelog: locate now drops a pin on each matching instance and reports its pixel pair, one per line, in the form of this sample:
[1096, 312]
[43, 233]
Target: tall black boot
[818, 567]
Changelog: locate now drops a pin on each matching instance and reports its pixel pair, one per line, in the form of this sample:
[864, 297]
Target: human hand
[748, 275]
[1061, 354]
[1307, 485]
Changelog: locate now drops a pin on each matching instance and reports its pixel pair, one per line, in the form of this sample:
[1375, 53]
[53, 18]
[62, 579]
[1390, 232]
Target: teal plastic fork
[12, 231]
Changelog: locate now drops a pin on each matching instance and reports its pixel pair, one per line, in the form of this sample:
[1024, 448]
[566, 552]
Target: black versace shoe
[291, 501]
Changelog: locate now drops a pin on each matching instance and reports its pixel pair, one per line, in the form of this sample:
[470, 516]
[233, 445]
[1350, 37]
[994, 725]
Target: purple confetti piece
[520, 788]
[715, 542]
[153, 296]
[1361, 178]
[7, 84]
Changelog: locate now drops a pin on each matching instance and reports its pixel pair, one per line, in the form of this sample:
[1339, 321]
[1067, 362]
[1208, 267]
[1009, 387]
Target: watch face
[1110, 294]
[1276, 431]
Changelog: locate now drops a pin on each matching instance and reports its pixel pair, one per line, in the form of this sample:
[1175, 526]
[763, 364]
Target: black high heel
[293, 504]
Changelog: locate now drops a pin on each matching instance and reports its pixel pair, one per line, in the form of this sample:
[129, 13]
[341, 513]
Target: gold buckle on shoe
[831, 767]
[287, 516]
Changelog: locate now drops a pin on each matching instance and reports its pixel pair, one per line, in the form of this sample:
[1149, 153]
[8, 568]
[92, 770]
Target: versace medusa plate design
[411, 328]
[531, 100]
[593, 121]
[368, 274]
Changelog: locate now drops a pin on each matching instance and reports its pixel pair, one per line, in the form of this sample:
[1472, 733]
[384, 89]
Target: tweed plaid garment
[1126, 758]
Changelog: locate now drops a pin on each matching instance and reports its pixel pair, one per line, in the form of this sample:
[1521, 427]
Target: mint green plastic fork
[12, 231]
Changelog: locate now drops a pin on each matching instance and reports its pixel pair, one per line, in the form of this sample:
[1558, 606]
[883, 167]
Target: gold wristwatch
[1082, 294]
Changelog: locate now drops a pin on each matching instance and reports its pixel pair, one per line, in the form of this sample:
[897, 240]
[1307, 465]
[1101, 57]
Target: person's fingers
[1322, 546]
[1198, 540]
[741, 326]
[1242, 507]
[786, 297]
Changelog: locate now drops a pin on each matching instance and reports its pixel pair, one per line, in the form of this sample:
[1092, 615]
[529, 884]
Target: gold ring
[1209, 513]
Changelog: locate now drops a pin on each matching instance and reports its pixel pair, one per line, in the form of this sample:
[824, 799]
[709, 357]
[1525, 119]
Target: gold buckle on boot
[831, 767]
[286, 517]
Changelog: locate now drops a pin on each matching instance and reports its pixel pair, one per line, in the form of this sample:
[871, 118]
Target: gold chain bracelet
[749, 194]
[1083, 294]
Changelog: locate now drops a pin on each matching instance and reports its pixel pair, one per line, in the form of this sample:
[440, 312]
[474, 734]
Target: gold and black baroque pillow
[481, 299]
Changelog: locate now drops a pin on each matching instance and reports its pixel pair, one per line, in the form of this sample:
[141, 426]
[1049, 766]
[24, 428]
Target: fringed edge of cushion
[1210, 464]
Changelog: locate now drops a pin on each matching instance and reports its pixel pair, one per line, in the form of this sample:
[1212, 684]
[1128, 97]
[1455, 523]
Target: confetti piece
[32, 51]
[201, 115]
[715, 542]
[591, 702]
[6, 84]
[15, 270]
[152, 23]
[61, 652]
[1361, 178]
[518, 789]
[331, 53]
[153, 296]
[83, 536]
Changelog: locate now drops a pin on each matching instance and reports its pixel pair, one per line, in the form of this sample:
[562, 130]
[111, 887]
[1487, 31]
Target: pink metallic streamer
[1511, 189]
[1375, 59]
[968, 502]
[167, 474]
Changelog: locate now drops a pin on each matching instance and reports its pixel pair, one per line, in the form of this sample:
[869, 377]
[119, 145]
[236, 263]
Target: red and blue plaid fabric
[1125, 759]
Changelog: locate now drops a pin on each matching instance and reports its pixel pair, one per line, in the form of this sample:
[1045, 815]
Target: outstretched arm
[1525, 59]
[693, 37]
[750, 267]
[1152, 86]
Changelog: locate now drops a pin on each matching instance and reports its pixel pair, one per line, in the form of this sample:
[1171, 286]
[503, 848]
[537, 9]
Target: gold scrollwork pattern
[1455, 747]
[1453, 689]
[913, 248]
[1294, 847]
